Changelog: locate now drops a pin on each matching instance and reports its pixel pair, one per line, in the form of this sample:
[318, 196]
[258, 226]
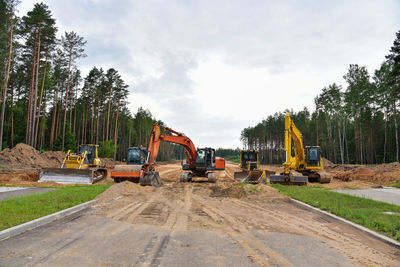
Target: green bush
[106, 149]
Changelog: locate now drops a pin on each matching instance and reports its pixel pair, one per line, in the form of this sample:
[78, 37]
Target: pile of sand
[25, 156]
[123, 189]
[108, 162]
[327, 163]
[382, 174]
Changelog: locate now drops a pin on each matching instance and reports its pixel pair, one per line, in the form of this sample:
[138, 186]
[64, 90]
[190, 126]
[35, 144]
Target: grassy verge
[23, 209]
[366, 212]
[397, 184]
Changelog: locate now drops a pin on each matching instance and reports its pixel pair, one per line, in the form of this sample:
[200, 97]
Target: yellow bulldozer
[307, 160]
[250, 168]
[83, 167]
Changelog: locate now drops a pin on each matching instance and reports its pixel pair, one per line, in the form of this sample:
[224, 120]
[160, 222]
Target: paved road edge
[374, 234]
[16, 230]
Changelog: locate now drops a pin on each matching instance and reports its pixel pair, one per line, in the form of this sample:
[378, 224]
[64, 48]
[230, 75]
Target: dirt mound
[123, 189]
[25, 156]
[7, 177]
[230, 190]
[376, 174]
[327, 163]
[109, 162]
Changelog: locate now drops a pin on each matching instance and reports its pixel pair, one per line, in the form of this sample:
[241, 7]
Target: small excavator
[77, 168]
[306, 160]
[250, 168]
[201, 162]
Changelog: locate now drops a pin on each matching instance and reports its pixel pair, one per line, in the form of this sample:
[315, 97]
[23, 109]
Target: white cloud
[211, 68]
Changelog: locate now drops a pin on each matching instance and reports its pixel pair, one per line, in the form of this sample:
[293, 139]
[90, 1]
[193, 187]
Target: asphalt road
[10, 192]
[388, 194]
[88, 240]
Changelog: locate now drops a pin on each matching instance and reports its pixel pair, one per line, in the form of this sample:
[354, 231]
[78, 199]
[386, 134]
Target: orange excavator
[201, 162]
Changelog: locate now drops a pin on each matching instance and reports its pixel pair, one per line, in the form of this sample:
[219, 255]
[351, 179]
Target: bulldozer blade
[285, 179]
[255, 177]
[239, 176]
[67, 176]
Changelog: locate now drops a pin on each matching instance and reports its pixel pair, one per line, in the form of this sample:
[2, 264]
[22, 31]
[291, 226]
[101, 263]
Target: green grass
[397, 184]
[363, 211]
[23, 209]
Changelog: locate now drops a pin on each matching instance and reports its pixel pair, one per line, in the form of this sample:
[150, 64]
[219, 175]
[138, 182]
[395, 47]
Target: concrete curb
[16, 230]
[375, 235]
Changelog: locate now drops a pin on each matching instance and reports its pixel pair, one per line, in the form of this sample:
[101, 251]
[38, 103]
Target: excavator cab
[313, 156]
[205, 159]
[90, 153]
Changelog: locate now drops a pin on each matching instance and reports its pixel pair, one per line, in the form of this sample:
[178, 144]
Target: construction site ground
[195, 224]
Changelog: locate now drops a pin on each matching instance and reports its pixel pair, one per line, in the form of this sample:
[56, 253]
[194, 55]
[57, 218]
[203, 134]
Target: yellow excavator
[250, 168]
[77, 168]
[306, 160]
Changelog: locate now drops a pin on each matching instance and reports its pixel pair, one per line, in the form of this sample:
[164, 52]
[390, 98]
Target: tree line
[356, 124]
[45, 101]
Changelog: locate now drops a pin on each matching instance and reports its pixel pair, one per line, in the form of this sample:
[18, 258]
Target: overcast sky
[211, 68]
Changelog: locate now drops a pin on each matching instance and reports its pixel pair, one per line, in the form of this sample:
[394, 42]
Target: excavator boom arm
[292, 133]
[156, 137]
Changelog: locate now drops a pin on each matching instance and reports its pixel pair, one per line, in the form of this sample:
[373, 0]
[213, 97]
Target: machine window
[200, 156]
[252, 156]
[314, 154]
[135, 157]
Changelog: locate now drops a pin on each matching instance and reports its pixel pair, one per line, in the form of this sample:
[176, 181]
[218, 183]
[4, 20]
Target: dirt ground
[224, 208]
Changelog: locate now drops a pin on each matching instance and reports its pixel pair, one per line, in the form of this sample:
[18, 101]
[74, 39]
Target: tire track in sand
[178, 218]
[238, 232]
[340, 242]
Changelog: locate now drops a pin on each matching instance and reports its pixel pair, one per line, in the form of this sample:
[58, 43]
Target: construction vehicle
[133, 169]
[251, 172]
[77, 168]
[201, 162]
[306, 160]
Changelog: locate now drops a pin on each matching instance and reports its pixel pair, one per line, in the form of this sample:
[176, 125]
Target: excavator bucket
[153, 179]
[319, 176]
[67, 176]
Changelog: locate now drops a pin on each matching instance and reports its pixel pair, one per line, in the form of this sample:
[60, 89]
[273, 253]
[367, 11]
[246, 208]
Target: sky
[211, 68]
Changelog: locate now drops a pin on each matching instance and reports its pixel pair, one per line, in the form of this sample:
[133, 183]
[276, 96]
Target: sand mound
[108, 162]
[327, 163]
[25, 156]
[376, 174]
[123, 189]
